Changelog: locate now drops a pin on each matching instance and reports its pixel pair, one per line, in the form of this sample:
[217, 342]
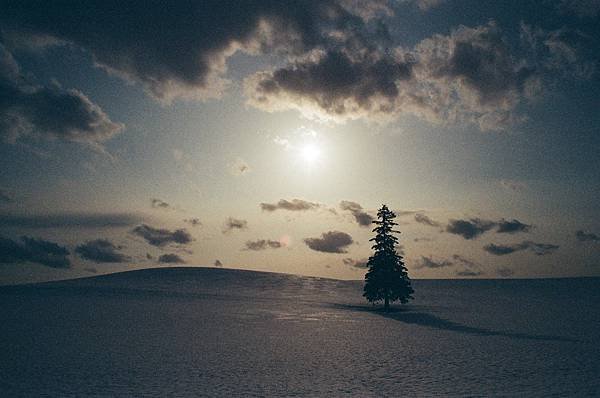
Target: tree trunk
[386, 306]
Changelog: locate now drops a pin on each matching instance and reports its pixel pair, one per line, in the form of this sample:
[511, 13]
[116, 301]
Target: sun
[310, 153]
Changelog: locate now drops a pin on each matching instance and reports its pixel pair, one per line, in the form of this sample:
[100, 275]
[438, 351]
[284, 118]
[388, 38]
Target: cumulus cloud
[161, 237]
[101, 251]
[218, 263]
[33, 250]
[586, 236]
[233, 224]
[362, 218]
[263, 244]
[539, 249]
[423, 219]
[471, 75]
[360, 264]
[511, 227]
[469, 229]
[429, 262]
[474, 227]
[159, 204]
[48, 112]
[194, 222]
[70, 220]
[170, 258]
[291, 205]
[181, 50]
[330, 242]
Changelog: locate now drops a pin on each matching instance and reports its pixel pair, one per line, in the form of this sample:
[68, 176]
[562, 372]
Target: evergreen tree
[387, 278]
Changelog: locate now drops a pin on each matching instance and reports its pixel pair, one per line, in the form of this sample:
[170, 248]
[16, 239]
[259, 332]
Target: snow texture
[218, 332]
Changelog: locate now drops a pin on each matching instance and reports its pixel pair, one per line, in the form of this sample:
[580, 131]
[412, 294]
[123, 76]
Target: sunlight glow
[310, 153]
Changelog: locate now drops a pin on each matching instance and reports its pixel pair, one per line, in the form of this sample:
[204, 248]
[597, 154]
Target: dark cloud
[511, 227]
[159, 204]
[504, 272]
[194, 222]
[181, 49]
[5, 197]
[471, 75]
[363, 218]
[162, 237]
[234, 223]
[512, 185]
[218, 263]
[539, 249]
[360, 264]
[291, 205]
[428, 262]
[33, 250]
[70, 220]
[48, 112]
[586, 236]
[469, 229]
[263, 244]
[330, 242]
[470, 268]
[170, 258]
[101, 251]
[423, 219]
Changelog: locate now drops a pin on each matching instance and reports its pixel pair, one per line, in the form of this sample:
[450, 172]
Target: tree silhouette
[387, 278]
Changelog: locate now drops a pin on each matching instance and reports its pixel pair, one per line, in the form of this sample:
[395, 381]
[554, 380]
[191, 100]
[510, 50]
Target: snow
[218, 332]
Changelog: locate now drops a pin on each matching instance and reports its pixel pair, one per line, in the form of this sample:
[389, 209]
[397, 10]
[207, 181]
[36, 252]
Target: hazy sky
[265, 134]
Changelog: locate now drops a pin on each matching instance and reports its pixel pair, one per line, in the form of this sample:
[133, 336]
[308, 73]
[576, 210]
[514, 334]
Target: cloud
[469, 229]
[360, 264]
[70, 220]
[218, 263]
[586, 236]
[291, 205]
[48, 112]
[330, 242]
[182, 51]
[470, 268]
[263, 244]
[511, 227]
[239, 167]
[101, 251]
[504, 272]
[159, 204]
[194, 222]
[162, 237]
[470, 76]
[5, 197]
[429, 262]
[539, 249]
[33, 250]
[363, 218]
[170, 258]
[423, 219]
[234, 223]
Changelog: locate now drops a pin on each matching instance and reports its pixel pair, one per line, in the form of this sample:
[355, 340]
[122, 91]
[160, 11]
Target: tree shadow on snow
[412, 317]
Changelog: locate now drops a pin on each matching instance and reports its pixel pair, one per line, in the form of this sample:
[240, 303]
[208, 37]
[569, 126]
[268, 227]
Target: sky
[264, 135]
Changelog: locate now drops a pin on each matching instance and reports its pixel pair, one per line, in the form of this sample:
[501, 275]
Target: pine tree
[387, 278]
